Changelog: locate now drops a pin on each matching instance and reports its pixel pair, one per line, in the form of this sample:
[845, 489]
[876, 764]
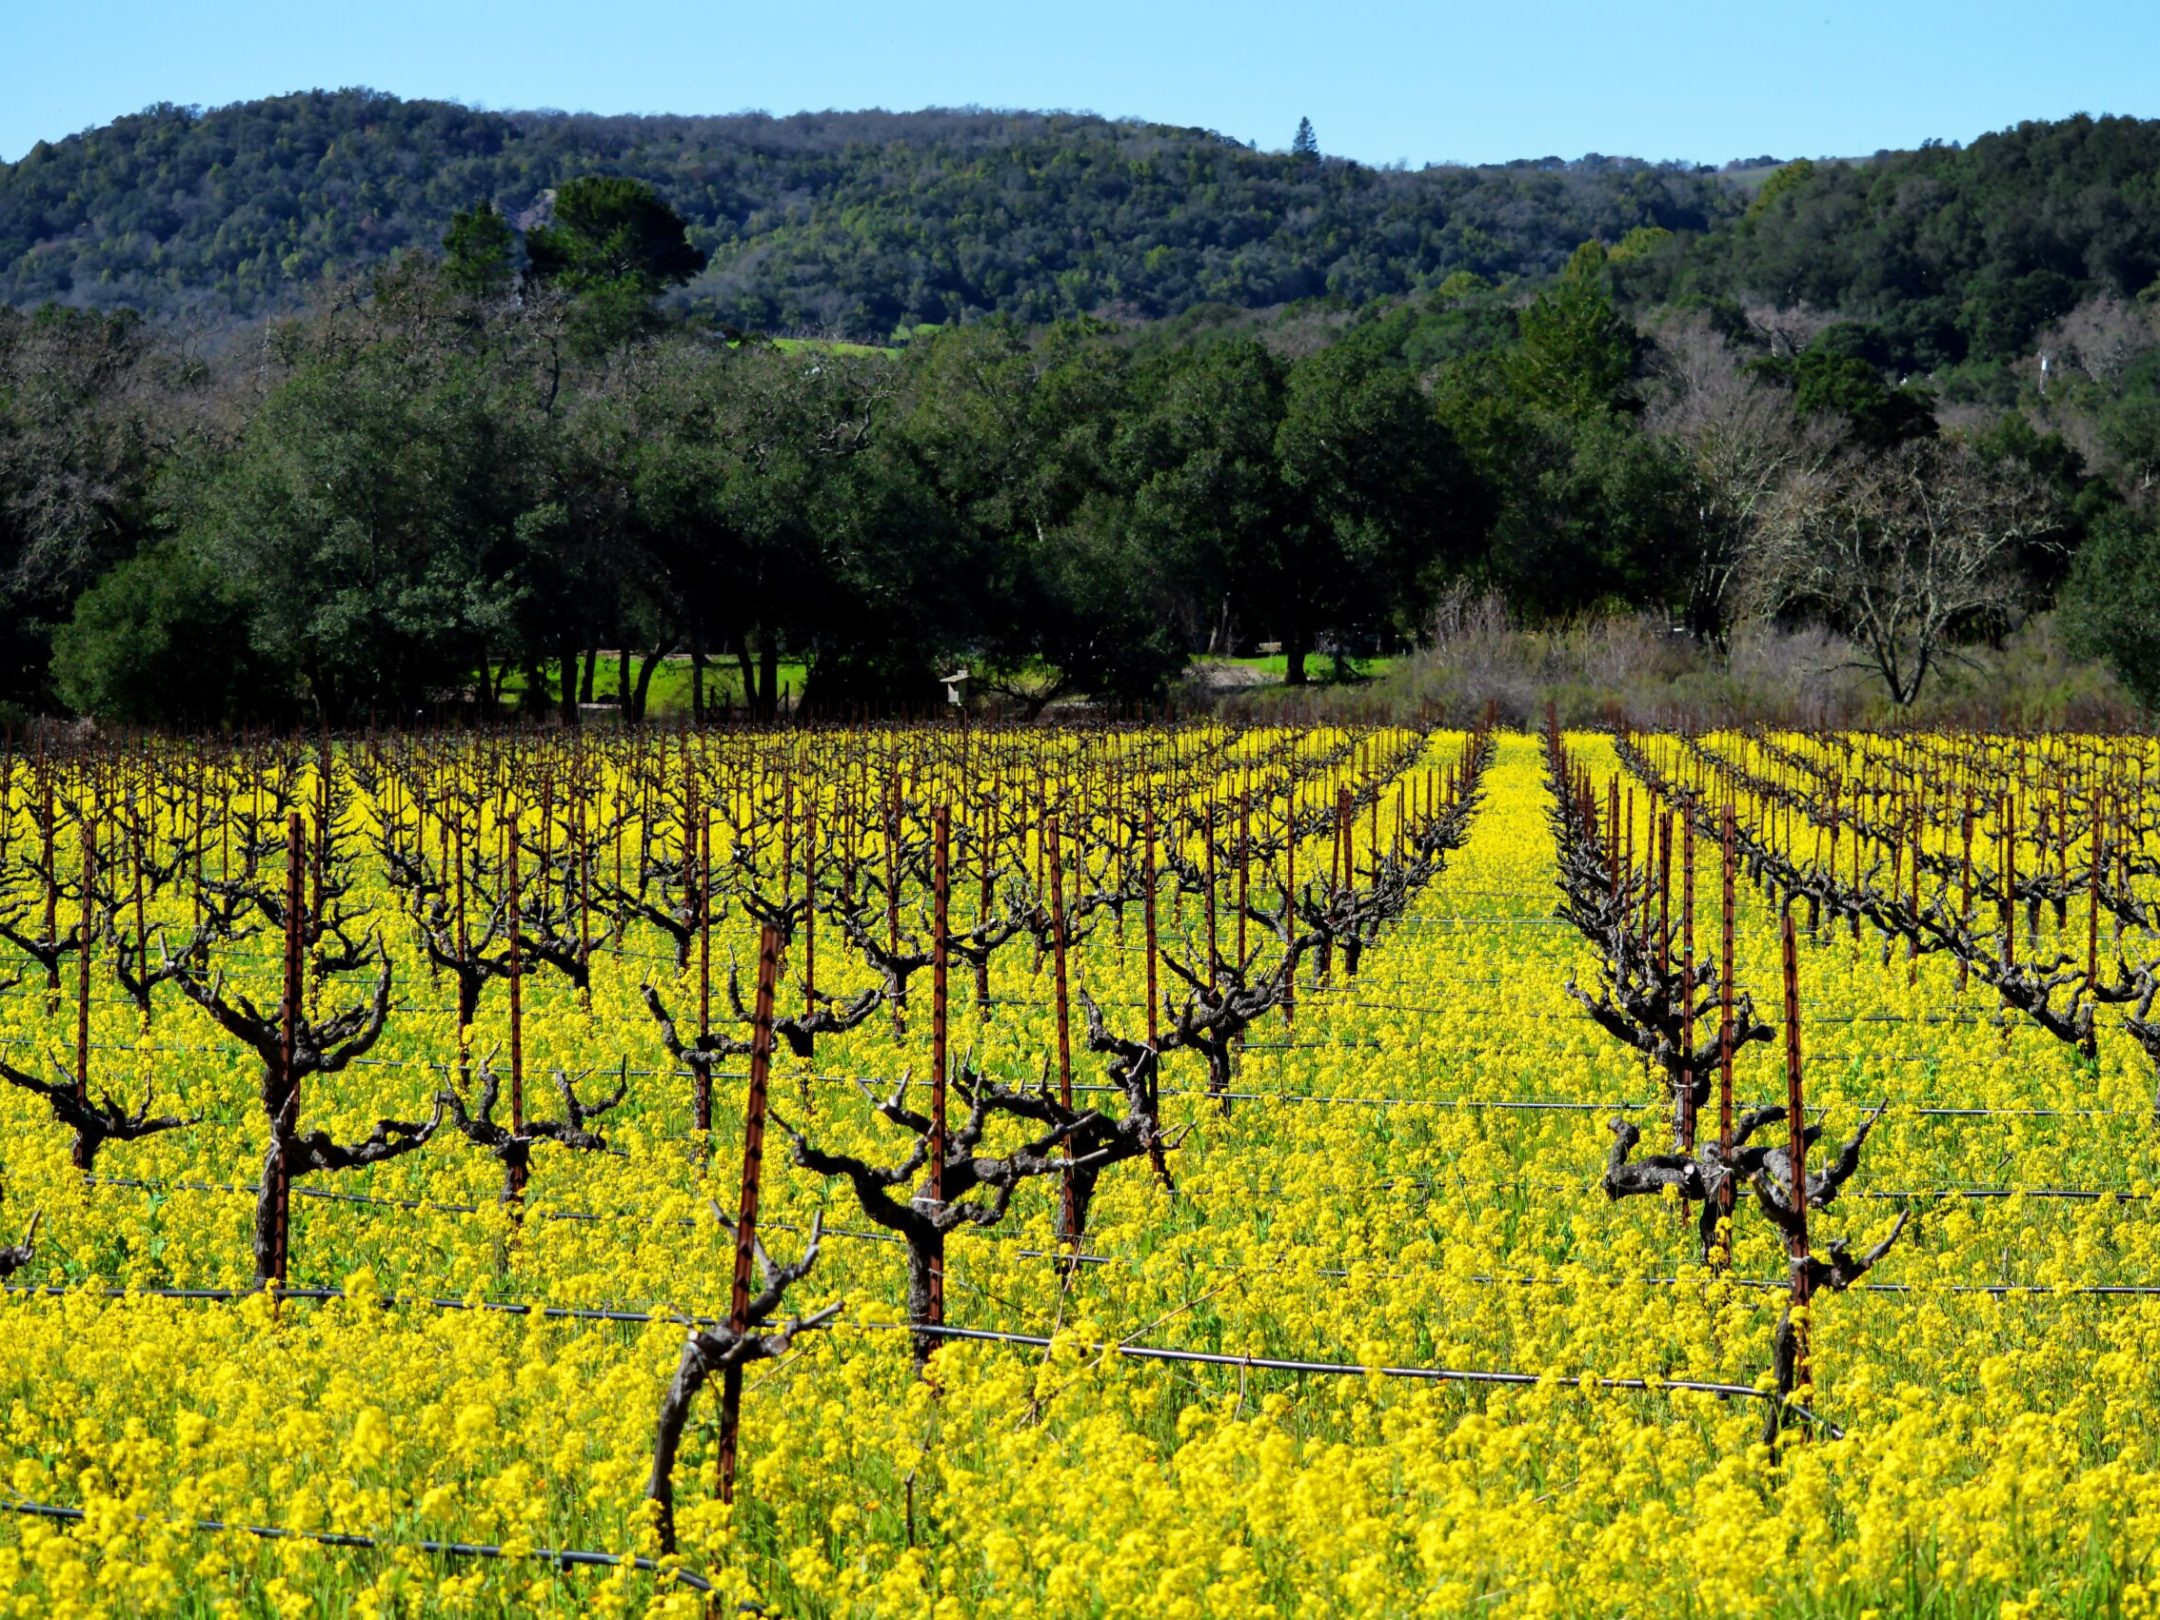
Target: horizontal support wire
[1341, 1269]
[1134, 1352]
[1351, 1369]
[562, 1558]
[599, 1065]
[421, 1206]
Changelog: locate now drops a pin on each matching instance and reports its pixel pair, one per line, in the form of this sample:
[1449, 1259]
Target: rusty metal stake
[940, 965]
[746, 1207]
[1796, 1152]
[81, 1155]
[1058, 945]
[1725, 1037]
[1147, 876]
[285, 1120]
[1687, 978]
[517, 1008]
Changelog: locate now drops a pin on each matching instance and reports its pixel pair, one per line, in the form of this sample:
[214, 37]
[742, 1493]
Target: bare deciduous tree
[317, 1046]
[1740, 444]
[1073, 1142]
[1811, 1274]
[2101, 337]
[1908, 553]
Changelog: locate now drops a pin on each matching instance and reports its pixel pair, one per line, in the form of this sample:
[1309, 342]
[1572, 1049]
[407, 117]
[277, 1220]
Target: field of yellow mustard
[1404, 1175]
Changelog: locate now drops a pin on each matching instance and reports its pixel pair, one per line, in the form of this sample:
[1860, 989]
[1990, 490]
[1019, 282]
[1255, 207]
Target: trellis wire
[563, 1558]
[1134, 1352]
[599, 1061]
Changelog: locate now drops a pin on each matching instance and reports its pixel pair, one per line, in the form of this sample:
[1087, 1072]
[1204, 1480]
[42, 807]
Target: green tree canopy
[163, 640]
[2111, 604]
[1208, 489]
[613, 247]
[81, 397]
[384, 508]
[479, 253]
[1578, 354]
[1017, 432]
[1376, 484]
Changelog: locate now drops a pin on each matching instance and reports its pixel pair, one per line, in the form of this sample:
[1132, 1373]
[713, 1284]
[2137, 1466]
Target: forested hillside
[1946, 253]
[852, 224]
[520, 435]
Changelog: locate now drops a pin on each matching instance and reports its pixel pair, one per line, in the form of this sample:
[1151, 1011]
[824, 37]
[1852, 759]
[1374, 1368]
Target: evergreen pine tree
[477, 254]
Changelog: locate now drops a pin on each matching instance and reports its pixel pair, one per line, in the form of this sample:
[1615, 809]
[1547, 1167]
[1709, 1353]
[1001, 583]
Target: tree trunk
[1217, 1053]
[697, 679]
[1784, 1361]
[924, 1248]
[271, 1199]
[701, 1067]
[517, 1169]
[1294, 652]
[1070, 1224]
[569, 660]
[690, 1375]
[651, 662]
[746, 670]
[470, 982]
[585, 682]
[622, 675]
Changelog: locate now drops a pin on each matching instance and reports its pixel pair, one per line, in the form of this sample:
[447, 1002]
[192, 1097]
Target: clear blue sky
[1420, 80]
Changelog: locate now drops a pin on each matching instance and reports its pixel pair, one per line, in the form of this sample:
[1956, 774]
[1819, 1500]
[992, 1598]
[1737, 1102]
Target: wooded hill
[522, 409]
[1945, 254]
[859, 225]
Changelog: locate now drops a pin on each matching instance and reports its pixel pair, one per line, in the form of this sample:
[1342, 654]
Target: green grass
[830, 346]
[669, 694]
[1319, 667]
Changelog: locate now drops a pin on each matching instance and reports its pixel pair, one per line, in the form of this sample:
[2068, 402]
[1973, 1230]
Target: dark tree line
[466, 473]
[513, 473]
